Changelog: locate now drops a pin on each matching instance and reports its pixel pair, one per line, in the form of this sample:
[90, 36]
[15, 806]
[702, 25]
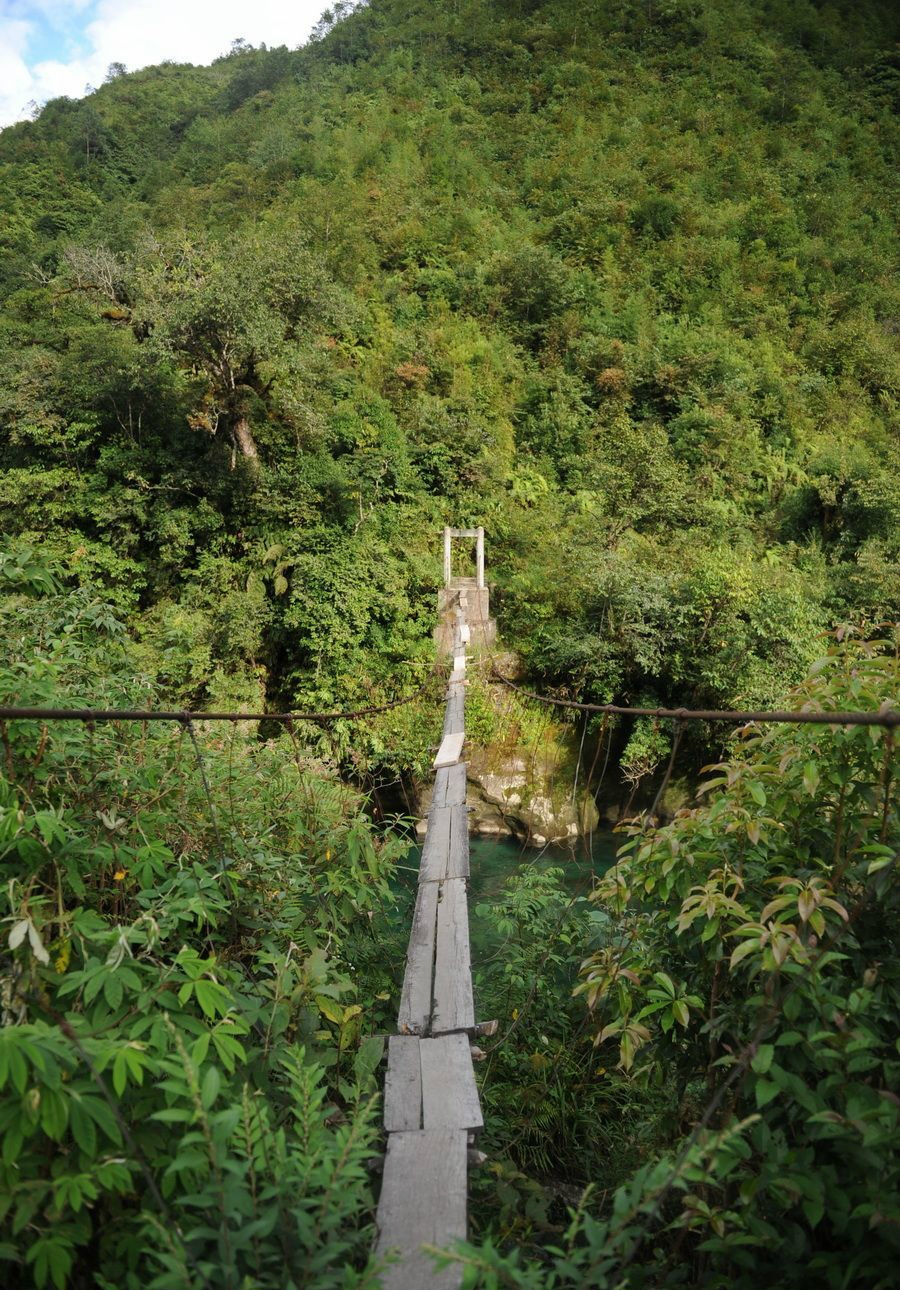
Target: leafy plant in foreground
[749, 967]
[185, 1083]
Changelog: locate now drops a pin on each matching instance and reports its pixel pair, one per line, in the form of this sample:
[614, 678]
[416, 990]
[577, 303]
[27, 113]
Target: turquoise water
[493, 860]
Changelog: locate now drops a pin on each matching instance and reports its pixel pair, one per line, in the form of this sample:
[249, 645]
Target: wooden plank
[454, 1008]
[450, 749]
[441, 784]
[436, 847]
[422, 1202]
[449, 1093]
[453, 716]
[415, 999]
[457, 861]
[403, 1085]
[455, 791]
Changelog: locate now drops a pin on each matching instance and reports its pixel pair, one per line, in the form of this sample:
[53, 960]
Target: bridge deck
[431, 1106]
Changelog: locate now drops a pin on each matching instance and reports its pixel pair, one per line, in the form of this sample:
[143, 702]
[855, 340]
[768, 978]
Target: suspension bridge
[431, 1108]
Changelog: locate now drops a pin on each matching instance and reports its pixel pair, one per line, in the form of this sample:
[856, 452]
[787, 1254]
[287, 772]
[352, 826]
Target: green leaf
[213, 999]
[229, 1050]
[367, 1060]
[120, 1073]
[333, 1011]
[757, 792]
[82, 1127]
[766, 1090]
[680, 1012]
[762, 1059]
[18, 1068]
[54, 1114]
[209, 1089]
[103, 1117]
[881, 862]
[814, 1210]
[626, 1051]
[112, 990]
[745, 948]
[173, 1115]
[200, 1049]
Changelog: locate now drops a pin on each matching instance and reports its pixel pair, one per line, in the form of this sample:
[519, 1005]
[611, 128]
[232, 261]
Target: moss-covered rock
[521, 770]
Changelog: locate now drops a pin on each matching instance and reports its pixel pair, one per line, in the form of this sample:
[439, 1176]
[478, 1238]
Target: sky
[54, 47]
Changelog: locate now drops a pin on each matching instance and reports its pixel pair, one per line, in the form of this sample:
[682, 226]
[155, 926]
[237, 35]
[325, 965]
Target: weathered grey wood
[454, 784]
[415, 999]
[453, 716]
[423, 1202]
[436, 847]
[453, 1005]
[440, 786]
[431, 1107]
[457, 862]
[403, 1084]
[450, 749]
[449, 1092]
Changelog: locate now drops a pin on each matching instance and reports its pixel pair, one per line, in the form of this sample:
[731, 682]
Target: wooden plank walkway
[431, 1106]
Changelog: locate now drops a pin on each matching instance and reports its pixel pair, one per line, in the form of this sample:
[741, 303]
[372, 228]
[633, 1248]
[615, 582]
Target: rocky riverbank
[521, 778]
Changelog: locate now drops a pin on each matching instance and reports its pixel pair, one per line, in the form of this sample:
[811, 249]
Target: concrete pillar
[447, 557]
[479, 559]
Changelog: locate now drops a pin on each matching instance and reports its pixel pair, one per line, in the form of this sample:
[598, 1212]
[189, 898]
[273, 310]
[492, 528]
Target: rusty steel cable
[185, 718]
[885, 716]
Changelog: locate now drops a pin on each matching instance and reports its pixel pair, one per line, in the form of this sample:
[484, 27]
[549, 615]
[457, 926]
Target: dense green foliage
[186, 1095]
[743, 993]
[612, 278]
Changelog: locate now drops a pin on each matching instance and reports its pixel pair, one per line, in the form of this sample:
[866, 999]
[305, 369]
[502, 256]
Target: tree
[230, 313]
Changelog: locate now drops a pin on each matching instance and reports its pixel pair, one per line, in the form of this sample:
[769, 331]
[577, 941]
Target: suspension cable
[185, 717]
[885, 716]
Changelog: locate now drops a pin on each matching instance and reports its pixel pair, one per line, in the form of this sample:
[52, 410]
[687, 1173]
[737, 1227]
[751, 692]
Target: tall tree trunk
[243, 438]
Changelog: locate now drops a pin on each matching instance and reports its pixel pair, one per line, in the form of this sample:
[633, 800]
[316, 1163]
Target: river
[493, 860]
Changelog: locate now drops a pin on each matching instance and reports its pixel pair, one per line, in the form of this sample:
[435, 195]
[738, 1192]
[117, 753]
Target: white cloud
[133, 32]
[15, 79]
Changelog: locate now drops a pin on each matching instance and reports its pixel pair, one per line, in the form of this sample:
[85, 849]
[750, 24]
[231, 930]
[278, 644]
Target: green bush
[186, 1085]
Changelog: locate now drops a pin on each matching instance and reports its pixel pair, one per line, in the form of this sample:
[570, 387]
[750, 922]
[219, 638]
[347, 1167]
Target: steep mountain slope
[611, 278]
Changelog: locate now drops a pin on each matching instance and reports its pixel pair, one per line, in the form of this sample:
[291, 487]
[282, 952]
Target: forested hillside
[614, 279]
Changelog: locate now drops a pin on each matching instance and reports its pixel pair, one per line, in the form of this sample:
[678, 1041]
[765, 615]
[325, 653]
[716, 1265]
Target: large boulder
[512, 795]
[529, 797]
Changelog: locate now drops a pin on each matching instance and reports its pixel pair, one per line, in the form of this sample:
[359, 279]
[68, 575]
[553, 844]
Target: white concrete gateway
[467, 594]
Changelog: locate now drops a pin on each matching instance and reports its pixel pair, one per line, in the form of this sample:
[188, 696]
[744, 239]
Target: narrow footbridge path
[431, 1107]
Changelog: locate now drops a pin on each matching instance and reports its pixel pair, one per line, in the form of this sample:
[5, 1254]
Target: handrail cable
[185, 717]
[885, 716]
